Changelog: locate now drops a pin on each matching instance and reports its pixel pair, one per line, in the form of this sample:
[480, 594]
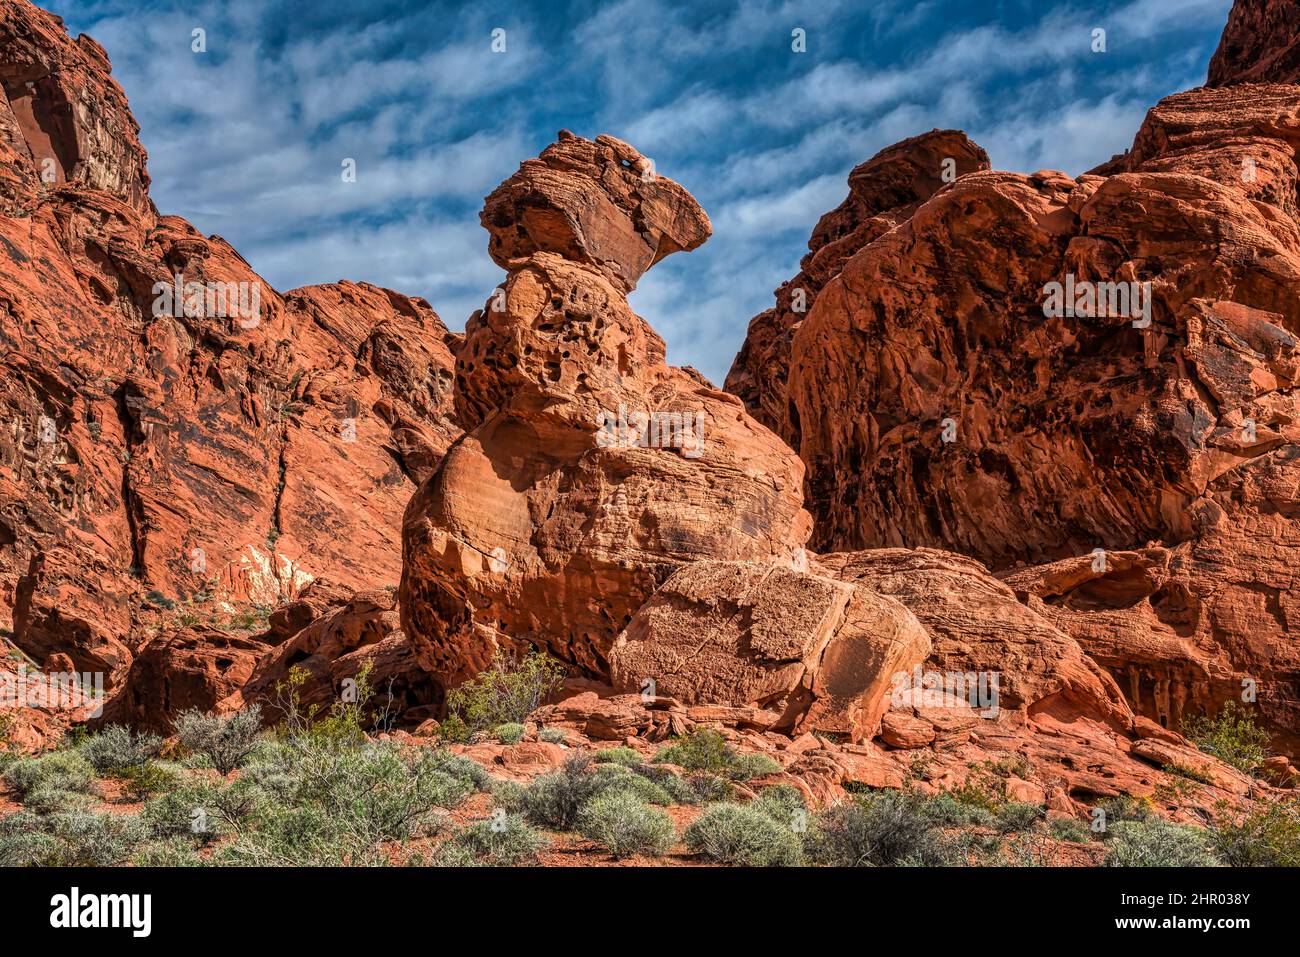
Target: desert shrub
[452, 730]
[173, 852]
[1156, 843]
[142, 781]
[620, 755]
[117, 748]
[68, 839]
[378, 792]
[1069, 829]
[507, 692]
[552, 735]
[708, 789]
[783, 803]
[50, 800]
[881, 829]
[702, 750]
[625, 824]
[1268, 835]
[1017, 816]
[504, 840]
[554, 800]
[204, 810]
[947, 811]
[743, 835]
[616, 777]
[509, 733]
[457, 766]
[293, 836]
[1033, 846]
[1123, 807]
[976, 795]
[705, 750]
[342, 724]
[753, 765]
[1231, 736]
[225, 741]
[53, 771]
[312, 801]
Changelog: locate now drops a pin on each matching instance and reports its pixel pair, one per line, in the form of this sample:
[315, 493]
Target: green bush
[142, 781]
[457, 766]
[743, 835]
[118, 748]
[616, 777]
[510, 733]
[204, 810]
[708, 789]
[552, 735]
[753, 765]
[225, 741]
[783, 803]
[507, 692]
[1070, 829]
[1156, 843]
[1017, 816]
[173, 852]
[452, 730]
[378, 792]
[620, 755]
[68, 839]
[626, 825]
[554, 800]
[343, 724]
[701, 750]
[1268, 835]
[53, 771]
[705, 750]
[50, 800]
[1122, 807]
[1232, 736]
[320, 801]
[880, 829]
[947, 811]
[504, 840]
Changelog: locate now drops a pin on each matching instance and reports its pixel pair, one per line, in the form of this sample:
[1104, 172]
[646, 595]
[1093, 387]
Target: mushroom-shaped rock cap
[600, 203]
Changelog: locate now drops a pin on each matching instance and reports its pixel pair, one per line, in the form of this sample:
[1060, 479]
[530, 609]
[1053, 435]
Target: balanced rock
[591, 470]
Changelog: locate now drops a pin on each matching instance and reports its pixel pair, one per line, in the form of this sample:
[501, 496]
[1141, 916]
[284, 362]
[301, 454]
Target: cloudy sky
[247, 139]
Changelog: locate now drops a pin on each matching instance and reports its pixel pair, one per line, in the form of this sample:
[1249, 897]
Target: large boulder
[819, 653]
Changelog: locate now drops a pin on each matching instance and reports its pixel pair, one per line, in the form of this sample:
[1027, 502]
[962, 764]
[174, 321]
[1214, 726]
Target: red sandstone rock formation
[937, 399]
[590, 471]
[819, 653]
[235, 448]
[1261, 44]
[883, 192]
[636, 522]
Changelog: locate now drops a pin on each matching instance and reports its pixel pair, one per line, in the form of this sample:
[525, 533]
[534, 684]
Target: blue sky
[247, 139]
